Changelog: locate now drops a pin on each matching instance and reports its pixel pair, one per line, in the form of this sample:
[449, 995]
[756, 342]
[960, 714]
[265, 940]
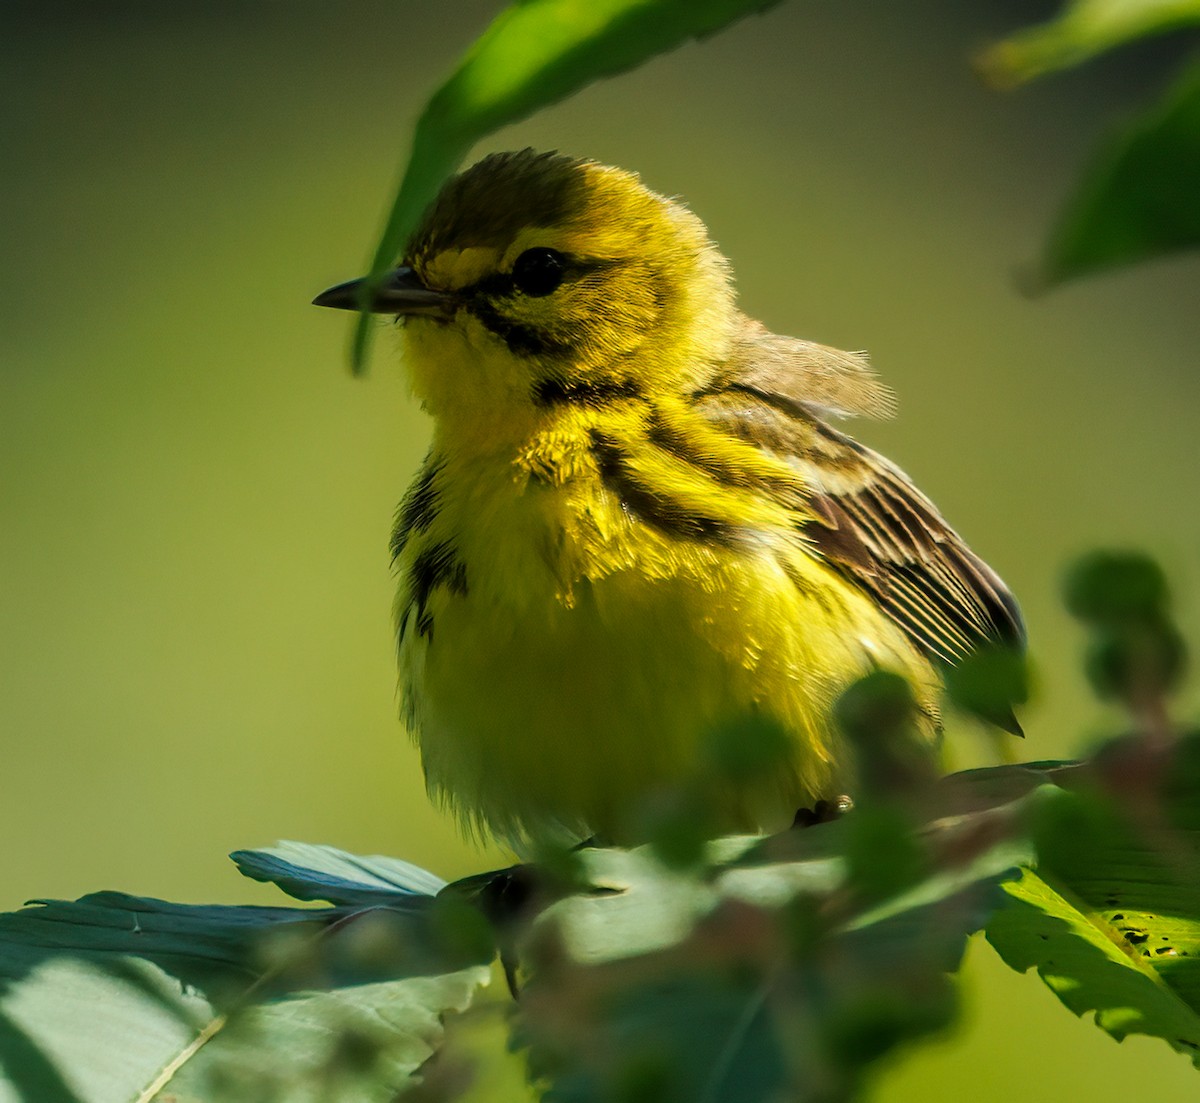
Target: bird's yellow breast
[568, 660]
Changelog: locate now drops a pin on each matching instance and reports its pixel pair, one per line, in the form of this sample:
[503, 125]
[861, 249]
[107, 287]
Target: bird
[637, 522]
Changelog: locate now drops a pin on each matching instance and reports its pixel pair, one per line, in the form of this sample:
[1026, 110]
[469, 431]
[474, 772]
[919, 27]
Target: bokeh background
[195, 650]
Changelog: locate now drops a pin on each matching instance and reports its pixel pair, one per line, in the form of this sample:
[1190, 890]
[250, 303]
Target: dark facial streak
[486, 299]
[522, 340]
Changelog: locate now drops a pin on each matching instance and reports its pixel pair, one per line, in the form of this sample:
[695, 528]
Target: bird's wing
[823, 379]
[865, 516]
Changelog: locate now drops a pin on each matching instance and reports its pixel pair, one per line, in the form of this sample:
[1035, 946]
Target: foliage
[1111, 918]
[741, 968]
[116, 997]
[793, 979]
[1137, 198]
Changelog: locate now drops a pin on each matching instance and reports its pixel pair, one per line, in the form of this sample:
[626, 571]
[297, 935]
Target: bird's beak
[399, 292]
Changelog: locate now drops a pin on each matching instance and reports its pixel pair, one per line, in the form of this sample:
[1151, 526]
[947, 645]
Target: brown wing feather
[876, 527]
[891, 539]
[803, 373]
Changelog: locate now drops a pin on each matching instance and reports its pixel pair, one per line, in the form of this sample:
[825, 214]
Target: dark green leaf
[677, 825]
[878, 714]
[1136, 662]
[989, 683]
[883, 853]
[1106, 587]
[1135, 652]
[752, 747]
[1138, 199]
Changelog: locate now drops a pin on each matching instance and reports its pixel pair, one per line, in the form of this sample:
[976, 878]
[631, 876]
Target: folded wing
[865, 517]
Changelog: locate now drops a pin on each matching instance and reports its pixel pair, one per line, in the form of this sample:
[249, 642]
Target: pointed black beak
[400, 292]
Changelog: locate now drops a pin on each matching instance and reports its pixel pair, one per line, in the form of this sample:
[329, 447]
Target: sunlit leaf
[1111, 918]
[1084, 29]
[1084, 954]
[535, 53]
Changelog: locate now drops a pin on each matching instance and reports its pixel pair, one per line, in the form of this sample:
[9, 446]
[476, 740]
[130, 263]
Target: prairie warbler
[635, 523]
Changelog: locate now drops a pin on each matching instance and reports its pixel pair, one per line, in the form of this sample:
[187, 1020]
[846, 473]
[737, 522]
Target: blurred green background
[195, 650]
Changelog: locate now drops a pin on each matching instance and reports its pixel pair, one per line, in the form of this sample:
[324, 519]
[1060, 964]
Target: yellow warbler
[635, 523]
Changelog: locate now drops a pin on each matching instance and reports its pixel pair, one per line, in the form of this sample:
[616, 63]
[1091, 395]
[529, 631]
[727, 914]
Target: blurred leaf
[633, 904]
[1115, 586]
[1138, 199]
[1085, 29]
[878, 715]
[1136, 662]
[750, 748]
[1111, 918]
[475, 1063]
[114, 997]
[995, 786]
[877, 709]
[883, 853]
[535, 53]
[677, 824]
[1135, 653]
[461, 931]
[988, 683]
[769, 977]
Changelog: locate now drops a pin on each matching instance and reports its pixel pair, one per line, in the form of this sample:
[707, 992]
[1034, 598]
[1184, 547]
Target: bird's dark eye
[537, 272]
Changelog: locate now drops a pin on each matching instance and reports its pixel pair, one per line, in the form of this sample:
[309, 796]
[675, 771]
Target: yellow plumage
[634, 524]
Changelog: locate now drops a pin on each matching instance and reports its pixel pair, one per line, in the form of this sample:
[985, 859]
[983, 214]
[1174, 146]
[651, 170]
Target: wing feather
[864, 515]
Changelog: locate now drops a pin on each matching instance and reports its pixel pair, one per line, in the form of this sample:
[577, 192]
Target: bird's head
[535, 276]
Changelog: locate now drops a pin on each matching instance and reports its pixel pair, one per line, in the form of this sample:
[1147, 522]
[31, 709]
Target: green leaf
[1083, 954]
[535, 53]
[1140, 198]
[114, 998]
[1111, 918]
[1107, 587]
[988, 683]
[310, 872]
[1085, 29]
[770, 976]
